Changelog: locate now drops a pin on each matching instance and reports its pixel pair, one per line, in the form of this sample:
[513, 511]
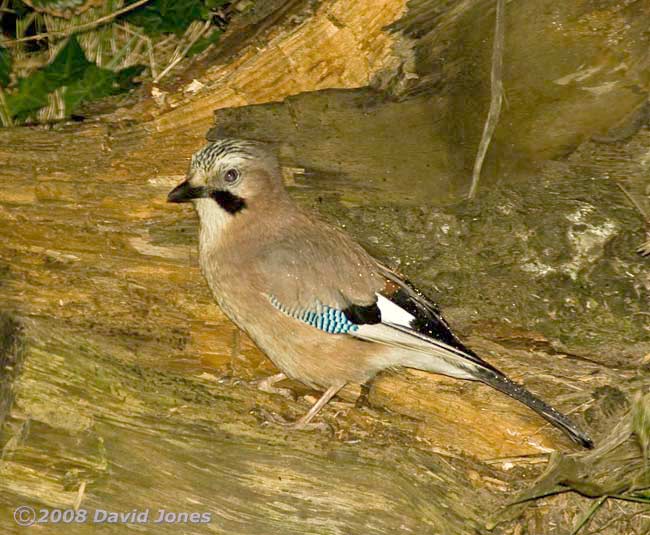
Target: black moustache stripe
[229, 202]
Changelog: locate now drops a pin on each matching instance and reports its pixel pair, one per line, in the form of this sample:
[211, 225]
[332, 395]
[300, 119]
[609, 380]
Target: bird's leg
[266, 385]
[316, 407]
[305, 422]
[236, 344]
[235, 350]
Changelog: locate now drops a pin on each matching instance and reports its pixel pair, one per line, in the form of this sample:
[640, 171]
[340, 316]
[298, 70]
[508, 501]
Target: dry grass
[106, 40]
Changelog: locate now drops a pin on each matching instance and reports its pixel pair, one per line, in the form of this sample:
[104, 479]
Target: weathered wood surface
[129, 388]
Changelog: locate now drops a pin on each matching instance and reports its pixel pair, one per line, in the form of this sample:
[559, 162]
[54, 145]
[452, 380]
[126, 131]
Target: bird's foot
[305, 422]
[299, 425]
[266, 385]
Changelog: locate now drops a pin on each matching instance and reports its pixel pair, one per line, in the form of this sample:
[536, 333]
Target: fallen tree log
[130, 392]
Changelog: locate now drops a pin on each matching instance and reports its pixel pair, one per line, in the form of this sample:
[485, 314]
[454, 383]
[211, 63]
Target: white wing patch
[392, 313]
[411, 348]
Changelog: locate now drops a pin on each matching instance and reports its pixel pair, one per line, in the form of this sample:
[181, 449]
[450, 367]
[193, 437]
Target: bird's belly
[313, 357]
[300, 351]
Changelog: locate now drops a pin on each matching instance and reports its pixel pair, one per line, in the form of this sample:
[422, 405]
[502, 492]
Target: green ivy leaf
[68, 65]
[30, 96]
[83, 81]
[95, 83]
[5, 67]
[125, 77]
[21, 9]
[212, 4]
[167, 16]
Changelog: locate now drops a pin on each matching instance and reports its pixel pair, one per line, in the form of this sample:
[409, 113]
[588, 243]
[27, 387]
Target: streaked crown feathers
[227, 149]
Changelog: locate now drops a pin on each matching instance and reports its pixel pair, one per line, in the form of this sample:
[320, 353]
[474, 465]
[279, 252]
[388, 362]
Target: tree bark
[121, 389]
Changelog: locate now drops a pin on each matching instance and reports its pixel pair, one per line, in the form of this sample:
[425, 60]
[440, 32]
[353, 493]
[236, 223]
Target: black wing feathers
[361, 315]
[427, 320]
[429, 323]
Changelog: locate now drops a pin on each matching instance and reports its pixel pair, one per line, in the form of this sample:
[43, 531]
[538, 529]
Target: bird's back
[297, 256]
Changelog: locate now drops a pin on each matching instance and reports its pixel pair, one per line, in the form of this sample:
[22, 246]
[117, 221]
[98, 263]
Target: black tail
[500, 382]
[453, 352]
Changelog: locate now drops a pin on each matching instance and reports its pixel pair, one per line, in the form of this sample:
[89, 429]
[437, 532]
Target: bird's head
[229, 175]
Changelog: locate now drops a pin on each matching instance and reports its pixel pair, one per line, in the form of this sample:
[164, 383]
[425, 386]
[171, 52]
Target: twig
[183, 53]
[5, 115]
[590, 513]
[552, 492]
[636, 203]
[497, 95]
[121, 53]
[76, 29]
[147, 41]
[152, 59]
[632, 499]
[521, 459]
[80, 496]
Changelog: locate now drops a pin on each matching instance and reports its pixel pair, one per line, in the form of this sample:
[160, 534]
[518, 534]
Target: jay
[314, 301]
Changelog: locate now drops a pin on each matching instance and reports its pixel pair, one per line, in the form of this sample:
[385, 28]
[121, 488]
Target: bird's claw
[284, 392]
[271, 418]
[266, 385]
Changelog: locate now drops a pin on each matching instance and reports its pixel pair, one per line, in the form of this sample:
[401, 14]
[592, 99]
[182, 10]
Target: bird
[324, 311]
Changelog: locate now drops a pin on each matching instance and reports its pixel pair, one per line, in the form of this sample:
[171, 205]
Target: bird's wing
[336, 287]
[417, 312]
[407, 311]
[413, 322]
[310, 269]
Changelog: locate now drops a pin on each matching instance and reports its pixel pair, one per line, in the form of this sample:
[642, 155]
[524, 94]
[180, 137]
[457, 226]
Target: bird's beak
[185, 192]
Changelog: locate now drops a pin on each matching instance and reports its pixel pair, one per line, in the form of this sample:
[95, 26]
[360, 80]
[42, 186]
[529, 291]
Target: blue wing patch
[323, 317]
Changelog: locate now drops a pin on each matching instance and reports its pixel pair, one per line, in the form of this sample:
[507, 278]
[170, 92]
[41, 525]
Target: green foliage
[81, 79]
[21, 9]
[68, 65]
[30, 96]
[97, 83]
[214, 4]
[172, 16]
[168, 16]
[71, 69]
[5, 67]
[124, 77]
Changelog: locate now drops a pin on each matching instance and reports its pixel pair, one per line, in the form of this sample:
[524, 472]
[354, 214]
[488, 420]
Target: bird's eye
[231, 176]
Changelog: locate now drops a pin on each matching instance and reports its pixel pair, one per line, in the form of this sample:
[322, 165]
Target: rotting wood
[122, 391]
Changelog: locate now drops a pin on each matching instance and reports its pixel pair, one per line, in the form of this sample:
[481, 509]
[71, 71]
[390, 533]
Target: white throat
[213, 221]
